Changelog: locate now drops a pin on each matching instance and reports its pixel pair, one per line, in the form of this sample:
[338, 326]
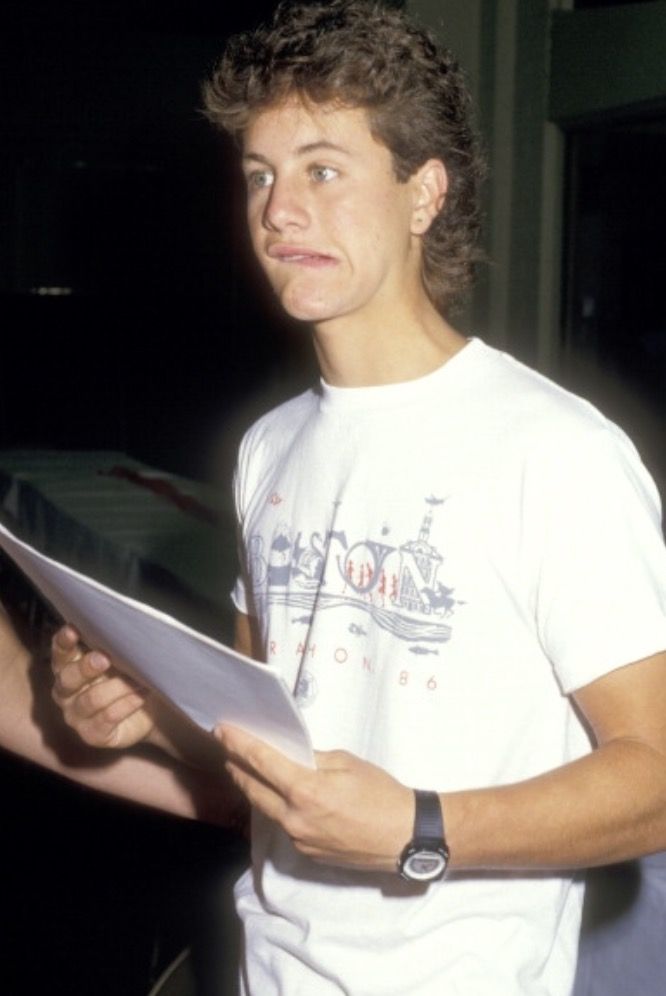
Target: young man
[455, 564]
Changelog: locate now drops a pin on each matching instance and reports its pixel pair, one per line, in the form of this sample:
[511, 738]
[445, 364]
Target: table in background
[162, 539]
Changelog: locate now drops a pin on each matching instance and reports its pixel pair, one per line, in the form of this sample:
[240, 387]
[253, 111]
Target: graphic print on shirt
[396, 585]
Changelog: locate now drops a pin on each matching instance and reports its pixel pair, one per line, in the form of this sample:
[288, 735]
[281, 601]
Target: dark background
[131, 319]
[130, 308]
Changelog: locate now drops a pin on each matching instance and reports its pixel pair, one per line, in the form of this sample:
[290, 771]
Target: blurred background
[131, 317]
[138, 342]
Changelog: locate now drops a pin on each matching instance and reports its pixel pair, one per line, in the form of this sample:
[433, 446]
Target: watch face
[424, 866]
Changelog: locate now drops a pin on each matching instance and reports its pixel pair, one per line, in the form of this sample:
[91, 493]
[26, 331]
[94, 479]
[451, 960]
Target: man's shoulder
[529, 406]
[521, 425]
[547, 434]
[279, 424]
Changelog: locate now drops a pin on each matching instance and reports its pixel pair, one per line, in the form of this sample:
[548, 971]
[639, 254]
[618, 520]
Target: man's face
[330, 224]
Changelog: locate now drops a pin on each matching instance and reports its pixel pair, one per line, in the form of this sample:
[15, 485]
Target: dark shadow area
[615, 310]
[588, 4]
[611, 891]
[132, 321]
[622, 940]
[98, 895]
[132, 314]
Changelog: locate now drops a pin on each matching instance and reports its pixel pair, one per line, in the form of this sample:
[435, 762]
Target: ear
[430, 183]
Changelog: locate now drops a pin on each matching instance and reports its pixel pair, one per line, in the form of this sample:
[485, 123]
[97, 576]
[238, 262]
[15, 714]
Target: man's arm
[605, 807]
[173, 788]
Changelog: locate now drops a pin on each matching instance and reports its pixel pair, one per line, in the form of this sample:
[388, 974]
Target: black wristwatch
[426, 856]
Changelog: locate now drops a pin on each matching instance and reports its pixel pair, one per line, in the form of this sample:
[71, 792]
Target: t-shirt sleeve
[240, 593]
[601, 570]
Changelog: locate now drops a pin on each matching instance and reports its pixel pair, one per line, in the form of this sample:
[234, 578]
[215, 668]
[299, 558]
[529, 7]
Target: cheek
[255, 230]
[253, 221]
[378, 224]
[360, 231]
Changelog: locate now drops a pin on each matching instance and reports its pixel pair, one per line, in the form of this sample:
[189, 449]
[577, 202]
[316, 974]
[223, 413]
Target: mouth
[299, 256]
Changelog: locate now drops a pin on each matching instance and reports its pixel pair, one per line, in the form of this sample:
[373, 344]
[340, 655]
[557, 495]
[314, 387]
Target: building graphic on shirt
[419, 562]
[397, 586]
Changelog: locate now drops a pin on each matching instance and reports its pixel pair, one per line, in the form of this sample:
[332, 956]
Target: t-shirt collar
[385, 396]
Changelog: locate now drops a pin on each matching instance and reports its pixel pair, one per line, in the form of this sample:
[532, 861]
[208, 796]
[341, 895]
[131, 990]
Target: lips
[299, 255]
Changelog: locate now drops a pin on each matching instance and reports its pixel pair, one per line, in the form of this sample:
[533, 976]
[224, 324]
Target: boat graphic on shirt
[396, 585]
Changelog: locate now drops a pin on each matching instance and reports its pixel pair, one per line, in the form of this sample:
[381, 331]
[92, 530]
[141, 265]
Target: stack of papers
[207, 681]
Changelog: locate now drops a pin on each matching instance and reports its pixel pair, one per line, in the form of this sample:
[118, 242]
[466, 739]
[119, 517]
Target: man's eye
[322, 174]
[259, 179]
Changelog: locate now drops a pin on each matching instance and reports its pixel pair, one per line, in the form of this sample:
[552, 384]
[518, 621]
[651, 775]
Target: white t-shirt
[434, 565]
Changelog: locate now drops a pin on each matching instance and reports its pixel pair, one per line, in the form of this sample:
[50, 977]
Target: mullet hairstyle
[361, 53]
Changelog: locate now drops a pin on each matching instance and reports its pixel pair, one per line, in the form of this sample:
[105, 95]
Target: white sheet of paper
[209, 682]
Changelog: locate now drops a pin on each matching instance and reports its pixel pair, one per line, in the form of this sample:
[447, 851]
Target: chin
[307, 309]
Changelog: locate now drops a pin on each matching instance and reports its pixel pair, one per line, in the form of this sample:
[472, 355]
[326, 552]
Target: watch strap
[428, 819]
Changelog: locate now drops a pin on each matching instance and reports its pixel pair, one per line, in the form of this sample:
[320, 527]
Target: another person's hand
[103, 706]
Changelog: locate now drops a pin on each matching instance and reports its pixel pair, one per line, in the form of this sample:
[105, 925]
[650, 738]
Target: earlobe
[430, 186]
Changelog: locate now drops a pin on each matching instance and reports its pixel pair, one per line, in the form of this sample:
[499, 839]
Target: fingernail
[98, 661]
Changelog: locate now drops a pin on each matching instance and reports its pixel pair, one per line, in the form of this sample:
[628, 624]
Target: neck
[368, 351]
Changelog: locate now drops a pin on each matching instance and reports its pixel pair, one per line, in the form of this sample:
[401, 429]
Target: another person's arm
[106, 709]
[138, 777]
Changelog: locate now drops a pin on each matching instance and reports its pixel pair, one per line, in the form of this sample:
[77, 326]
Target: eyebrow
[302, 150]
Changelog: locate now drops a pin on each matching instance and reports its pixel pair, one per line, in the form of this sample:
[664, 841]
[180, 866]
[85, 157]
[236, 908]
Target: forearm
[606, 807]
[138, 777]
[172, 787]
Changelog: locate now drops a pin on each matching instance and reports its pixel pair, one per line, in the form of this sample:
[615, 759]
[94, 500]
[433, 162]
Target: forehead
[294, 126]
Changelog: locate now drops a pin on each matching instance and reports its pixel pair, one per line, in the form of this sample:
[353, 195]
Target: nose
[285, 207]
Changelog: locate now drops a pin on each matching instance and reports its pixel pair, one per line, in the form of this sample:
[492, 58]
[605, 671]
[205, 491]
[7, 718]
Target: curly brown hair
[361, 53]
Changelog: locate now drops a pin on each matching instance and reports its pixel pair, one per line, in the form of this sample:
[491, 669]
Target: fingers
[118, 724]
[260, 759]
[346, 812]
[104, 707]
[64, 644]
[78, 673]
[112, 696]
[99, 710]
[263, 774]
[72, 666]
[260, 795]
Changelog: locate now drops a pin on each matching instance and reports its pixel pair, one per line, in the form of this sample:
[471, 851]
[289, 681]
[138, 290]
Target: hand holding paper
[105, 708]
[210, 683]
